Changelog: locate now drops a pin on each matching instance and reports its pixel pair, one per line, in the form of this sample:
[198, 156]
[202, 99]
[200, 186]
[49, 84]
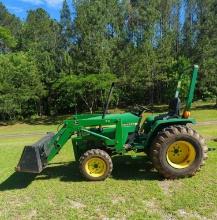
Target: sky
[20, 7]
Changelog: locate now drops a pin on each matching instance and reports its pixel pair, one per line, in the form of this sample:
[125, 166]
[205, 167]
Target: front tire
[95, 165]
[178, 151]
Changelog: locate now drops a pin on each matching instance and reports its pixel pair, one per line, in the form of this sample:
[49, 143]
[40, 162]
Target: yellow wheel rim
[95, 167]
[181, 154]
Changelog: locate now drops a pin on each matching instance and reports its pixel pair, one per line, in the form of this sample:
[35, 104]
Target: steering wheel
[143, 108]
[140, 110]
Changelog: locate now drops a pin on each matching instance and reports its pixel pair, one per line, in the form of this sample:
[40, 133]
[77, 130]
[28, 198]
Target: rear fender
[160, 124]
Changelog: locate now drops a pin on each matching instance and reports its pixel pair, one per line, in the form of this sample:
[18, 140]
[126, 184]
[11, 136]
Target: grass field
[134, 191]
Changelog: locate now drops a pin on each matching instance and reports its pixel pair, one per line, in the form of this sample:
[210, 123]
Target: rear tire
[95, 165]
[178, 151]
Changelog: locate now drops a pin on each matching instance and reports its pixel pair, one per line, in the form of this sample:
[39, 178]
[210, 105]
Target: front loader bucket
[34, 157]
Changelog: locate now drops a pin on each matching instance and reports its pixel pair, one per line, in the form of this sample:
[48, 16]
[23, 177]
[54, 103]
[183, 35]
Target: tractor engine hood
[125, 117]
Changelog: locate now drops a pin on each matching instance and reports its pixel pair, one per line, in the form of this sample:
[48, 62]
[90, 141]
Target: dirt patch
[22, 135]
[76, 205]
[153, 205]
[206, 123]
[190, 215]
[118, 200]
[214, 215]
[101, 215]
[168, 186]
[169, 217]
[14, 201]
[165, 185]
[32, 214]
[107, 218]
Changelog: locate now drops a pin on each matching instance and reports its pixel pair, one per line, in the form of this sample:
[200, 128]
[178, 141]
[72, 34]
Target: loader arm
[70, 127]
[59, 140]
[35, 157]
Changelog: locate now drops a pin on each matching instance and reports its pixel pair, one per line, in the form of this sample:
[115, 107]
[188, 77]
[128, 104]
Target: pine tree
[189, 27]
[94, 46]
[66, 26]
[9, 21]
[206, 48]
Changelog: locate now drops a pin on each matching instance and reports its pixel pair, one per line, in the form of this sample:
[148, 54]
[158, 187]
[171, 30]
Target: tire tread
[162, 138]
[96, 152]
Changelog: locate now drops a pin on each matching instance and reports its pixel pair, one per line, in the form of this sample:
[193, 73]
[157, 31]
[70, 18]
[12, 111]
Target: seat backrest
[174, 107]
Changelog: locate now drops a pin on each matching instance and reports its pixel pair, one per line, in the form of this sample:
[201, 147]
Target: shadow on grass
[125, 168]
[138, 168]
[17, 181]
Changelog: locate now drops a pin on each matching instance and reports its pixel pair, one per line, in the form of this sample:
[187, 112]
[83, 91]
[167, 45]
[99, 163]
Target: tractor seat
[174, 107]
[173, 110]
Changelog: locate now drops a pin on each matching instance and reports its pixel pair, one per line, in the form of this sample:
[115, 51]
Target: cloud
[34, 2]
[51, 3]
[16, 10]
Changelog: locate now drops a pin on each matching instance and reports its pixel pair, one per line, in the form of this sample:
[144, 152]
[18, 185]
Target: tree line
[58, 67]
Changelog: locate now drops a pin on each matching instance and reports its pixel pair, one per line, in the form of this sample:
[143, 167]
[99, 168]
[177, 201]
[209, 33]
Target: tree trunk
[91, 110]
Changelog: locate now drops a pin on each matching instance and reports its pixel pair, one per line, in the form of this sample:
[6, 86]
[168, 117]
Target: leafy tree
[20, 86]
[7, 41]
[89, 91]
[41, 37]
[141, 43]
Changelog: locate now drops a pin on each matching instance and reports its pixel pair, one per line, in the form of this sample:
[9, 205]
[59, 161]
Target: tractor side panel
[85, 142]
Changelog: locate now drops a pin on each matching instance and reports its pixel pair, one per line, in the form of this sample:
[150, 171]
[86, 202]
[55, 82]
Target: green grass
[204, 115]
[204, 111]
[134, 191]
[210, 131]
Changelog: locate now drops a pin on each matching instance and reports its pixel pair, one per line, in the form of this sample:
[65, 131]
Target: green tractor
[174, 148]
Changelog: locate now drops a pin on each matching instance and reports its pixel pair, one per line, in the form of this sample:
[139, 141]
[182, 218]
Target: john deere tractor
[175, 149]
